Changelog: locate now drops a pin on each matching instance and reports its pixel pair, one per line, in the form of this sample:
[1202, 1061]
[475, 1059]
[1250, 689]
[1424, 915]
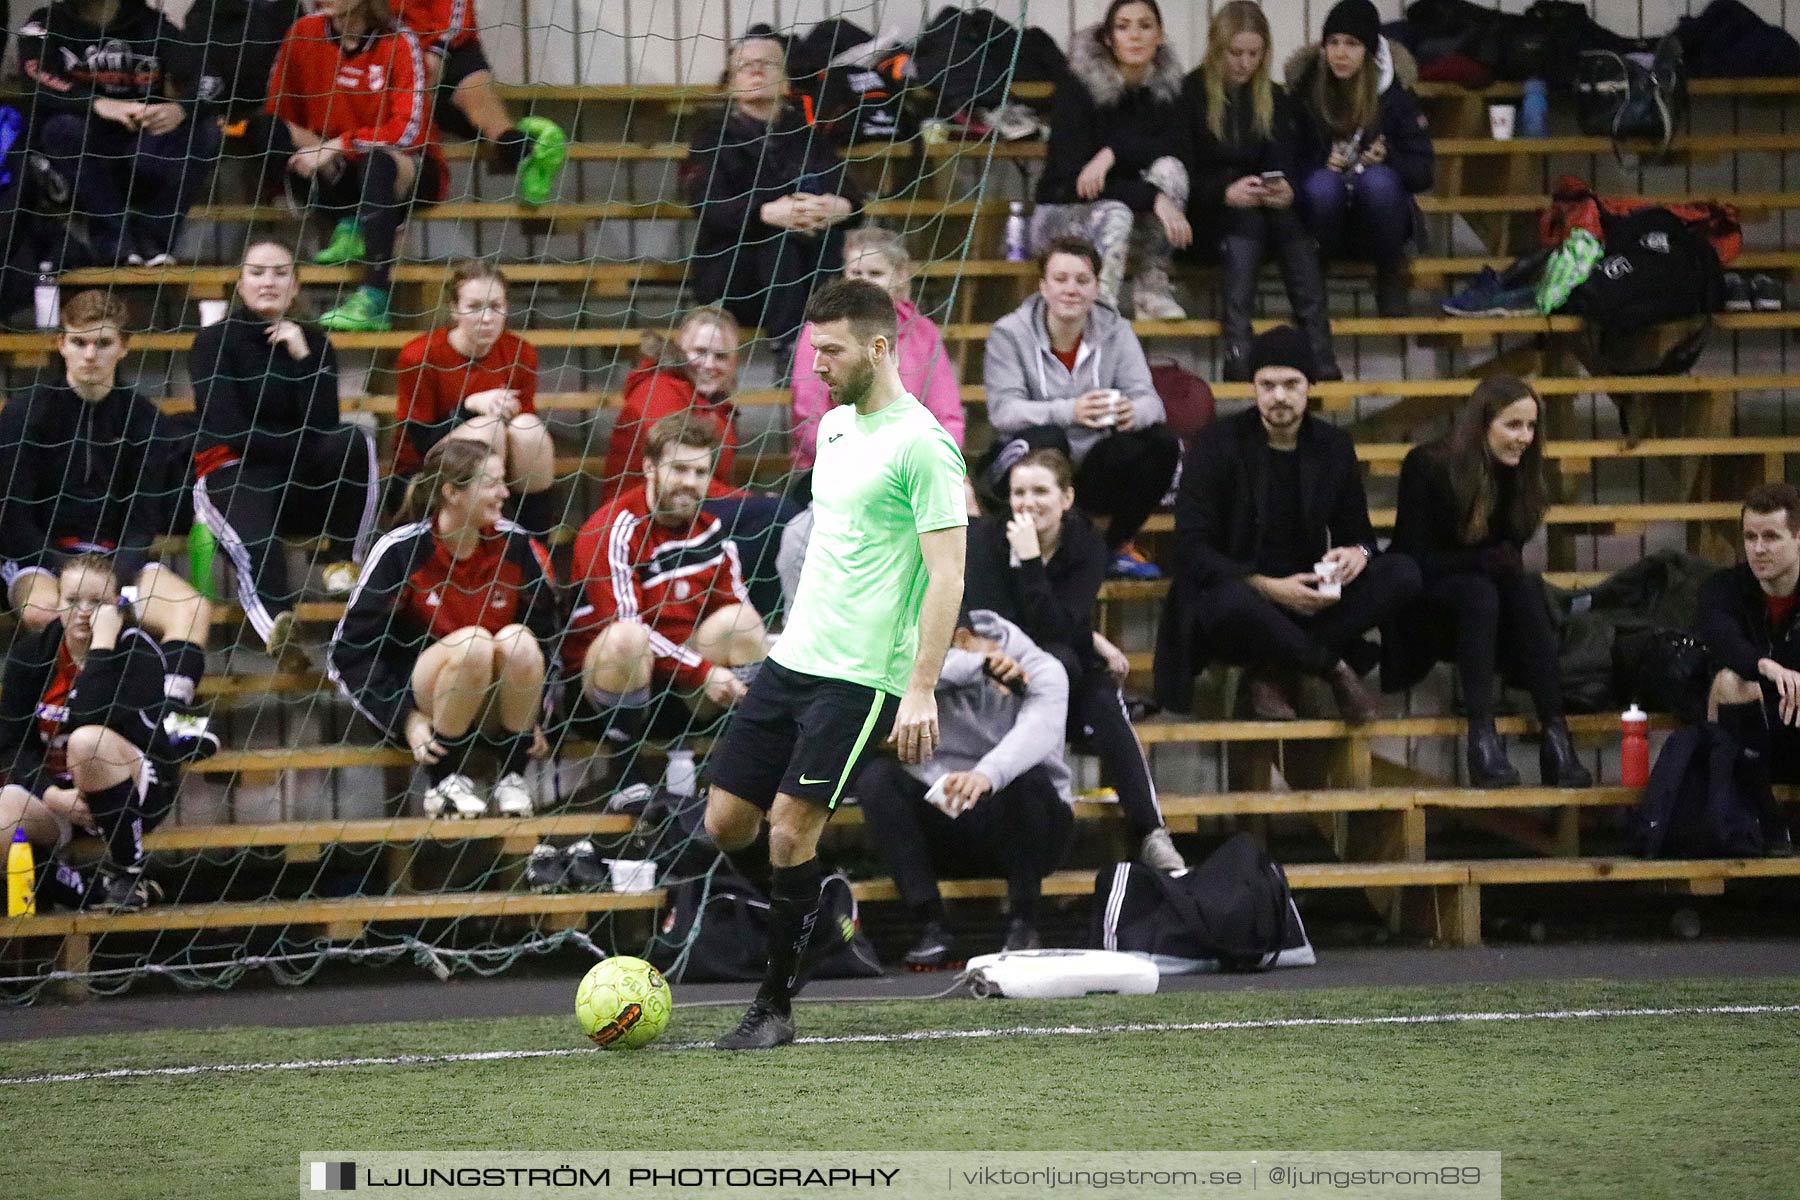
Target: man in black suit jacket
[1265, 495]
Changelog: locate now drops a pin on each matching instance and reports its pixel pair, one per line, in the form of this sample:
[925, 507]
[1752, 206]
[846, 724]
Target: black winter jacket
[1734, 624]
[257, 400]
[120, 689]
[1214, 164]
[1399, 118]
[1052, 601]
[1426, 524]
[1144, 126]
[140, 55]
[111, 472]
[736, 165]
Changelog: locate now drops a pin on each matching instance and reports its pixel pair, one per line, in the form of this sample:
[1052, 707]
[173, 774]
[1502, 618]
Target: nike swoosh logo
[805, 781]
[834, 437]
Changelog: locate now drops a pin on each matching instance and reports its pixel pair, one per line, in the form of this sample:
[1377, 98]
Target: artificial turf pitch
[1637, 1106]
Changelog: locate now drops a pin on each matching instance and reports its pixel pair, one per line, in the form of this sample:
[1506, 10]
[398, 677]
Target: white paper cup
[1114, 399]
[1328, 584]
[631, 874]
[1502, 120]
[213, 311]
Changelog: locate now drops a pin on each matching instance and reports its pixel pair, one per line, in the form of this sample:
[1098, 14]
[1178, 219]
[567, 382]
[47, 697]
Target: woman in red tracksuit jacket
[445, 638]
[353, 107]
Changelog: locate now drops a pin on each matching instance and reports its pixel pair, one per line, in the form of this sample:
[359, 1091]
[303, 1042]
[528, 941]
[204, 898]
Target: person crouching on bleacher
[444, 642]
[88, 465]
[995, 797]
[274, 458]
[353, 104]
[80, 742]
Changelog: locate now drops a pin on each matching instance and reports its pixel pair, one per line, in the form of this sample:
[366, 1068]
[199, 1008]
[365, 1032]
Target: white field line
[928, 1035]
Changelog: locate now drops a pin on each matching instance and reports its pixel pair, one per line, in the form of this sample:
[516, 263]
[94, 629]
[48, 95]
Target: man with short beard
[662, 602]
[1265, 495]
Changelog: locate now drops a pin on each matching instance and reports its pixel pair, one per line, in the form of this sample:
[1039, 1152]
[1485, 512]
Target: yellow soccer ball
[623, 1003]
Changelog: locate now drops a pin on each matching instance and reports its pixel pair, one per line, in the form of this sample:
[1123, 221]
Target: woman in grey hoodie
[1108, 173]
[1065, 370]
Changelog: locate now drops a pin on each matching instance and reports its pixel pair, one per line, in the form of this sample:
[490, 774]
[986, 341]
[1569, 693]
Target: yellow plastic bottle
[19, 877]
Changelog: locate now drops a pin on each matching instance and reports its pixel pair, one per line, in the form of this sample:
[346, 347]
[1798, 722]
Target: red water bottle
[1634, 747]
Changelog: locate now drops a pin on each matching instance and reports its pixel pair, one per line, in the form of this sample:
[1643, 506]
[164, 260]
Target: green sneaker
[364, 311]
[544, 162]
[346, 245]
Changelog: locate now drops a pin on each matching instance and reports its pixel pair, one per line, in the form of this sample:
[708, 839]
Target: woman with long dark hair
[1370, 146]
[1244, 163]
[1469, 502]
[444, 642]
[274, 458]
[1113, 173]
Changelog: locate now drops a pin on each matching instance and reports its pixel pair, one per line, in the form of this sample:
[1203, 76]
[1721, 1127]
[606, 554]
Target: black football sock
[514, 750]
[60, 886]
[456, 757]
[187, 667]
[116, 811]
[509, 151]
[539, 512]
[930, 911]
[793, 908]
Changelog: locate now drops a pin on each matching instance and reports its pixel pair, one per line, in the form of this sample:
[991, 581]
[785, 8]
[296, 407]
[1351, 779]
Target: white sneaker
[512, 795]
[340, 578]
[164, 259]
[455, 797]
[1153, 300]
[1158, 851]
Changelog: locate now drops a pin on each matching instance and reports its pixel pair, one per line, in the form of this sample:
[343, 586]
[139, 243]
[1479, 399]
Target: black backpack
[715, 929]
[1233, 912]
[850, 102]
[969, 57]
[1658, 268]
[1633, 95]
[1698, 804]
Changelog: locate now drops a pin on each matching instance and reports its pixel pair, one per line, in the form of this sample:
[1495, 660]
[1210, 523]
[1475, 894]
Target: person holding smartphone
[1368, 148]
[1244, 151]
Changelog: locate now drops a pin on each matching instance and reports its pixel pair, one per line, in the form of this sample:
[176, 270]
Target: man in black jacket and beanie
[1266, 496]
[1747, 619]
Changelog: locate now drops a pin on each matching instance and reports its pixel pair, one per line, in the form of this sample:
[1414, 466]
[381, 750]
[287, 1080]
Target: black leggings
[1097, 716]
[250, 508]
[1124, 477]
[1023, 830]
[1475, 614]
[366, 190]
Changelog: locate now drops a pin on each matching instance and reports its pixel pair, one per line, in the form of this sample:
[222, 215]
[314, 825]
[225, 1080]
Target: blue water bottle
[1534, 112]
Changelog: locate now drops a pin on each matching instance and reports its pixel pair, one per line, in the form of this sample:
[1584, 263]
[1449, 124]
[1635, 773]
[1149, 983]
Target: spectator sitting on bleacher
[772, 196]
[80, 742]
[1244, 163]
[472, 379]
[994, 799]
[1747, 620]
[1370, 148]
[88, 465]
[1468, 503]
[468, 101]
[661, 602]
[1041, 569]
[354, 127]
[445, 638]
[1113, 173]
[696, 373]
[273, 459]
[1064, 369]
[878, 256]
[113, 108]
[1266, 494]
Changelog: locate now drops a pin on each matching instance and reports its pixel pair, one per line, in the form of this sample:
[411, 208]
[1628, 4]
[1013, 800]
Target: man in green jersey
[858, 661]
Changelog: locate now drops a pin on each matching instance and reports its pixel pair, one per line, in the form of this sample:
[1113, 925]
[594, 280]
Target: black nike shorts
[802, 736]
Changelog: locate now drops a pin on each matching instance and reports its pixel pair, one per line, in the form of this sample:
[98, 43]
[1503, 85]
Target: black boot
[1558, 764]
[1747, 725]
[1488, 766]
[1298, 256]
[1393, 289]
[1240, 259]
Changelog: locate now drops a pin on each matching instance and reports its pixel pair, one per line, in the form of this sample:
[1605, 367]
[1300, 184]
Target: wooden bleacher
[1377, 818]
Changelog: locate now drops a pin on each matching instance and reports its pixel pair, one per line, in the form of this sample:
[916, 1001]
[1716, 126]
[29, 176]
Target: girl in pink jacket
[878, 256]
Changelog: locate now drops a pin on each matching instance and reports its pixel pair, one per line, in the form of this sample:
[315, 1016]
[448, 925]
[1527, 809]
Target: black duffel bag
[1233, 912]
